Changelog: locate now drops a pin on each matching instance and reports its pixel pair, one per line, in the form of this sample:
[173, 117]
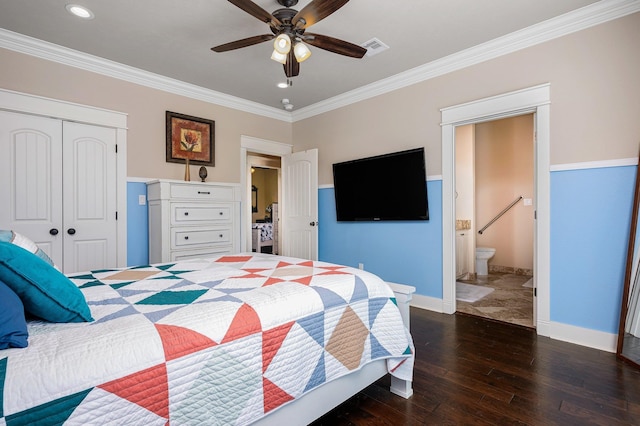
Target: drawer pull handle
[220, 213]
[186, 213]
[220, 235]
[204, 192]
[186, 237]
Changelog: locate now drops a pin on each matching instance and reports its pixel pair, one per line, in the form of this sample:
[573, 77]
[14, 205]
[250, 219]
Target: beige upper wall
[595, 110]
[266, 182]
[146, 115]
[595, 102]
[503, 172]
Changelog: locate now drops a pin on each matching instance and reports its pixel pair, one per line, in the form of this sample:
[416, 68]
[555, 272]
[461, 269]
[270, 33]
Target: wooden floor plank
[474, 371]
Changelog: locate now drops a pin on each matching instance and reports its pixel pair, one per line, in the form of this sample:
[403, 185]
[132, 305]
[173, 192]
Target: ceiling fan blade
[335, 45]
[249, 41]
[292, 67]
[316, 11]
[253, 9]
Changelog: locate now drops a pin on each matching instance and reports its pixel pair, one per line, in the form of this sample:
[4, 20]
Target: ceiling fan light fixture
[279, 57]
[282, 44]
[301, 51]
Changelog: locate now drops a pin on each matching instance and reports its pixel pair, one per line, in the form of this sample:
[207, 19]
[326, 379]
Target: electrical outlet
[142, 200]
[527, 201]
[361, 266]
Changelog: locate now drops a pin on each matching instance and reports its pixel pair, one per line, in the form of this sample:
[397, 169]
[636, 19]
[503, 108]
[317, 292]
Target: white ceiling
[174, 38]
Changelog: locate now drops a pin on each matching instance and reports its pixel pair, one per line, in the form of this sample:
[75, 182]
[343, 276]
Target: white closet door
[30, 176]
[89, 176]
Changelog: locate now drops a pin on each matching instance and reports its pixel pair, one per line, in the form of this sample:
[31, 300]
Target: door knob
[313, 223]
[71, 231]
[53, 231]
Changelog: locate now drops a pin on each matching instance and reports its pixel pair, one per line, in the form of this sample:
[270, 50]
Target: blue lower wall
[403, 252]
[137, 225]
[590, 219]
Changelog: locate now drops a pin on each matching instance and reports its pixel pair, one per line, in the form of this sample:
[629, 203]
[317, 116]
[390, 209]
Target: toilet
[483, 254]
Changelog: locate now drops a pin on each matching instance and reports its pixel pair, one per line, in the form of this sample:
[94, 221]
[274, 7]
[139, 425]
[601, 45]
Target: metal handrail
[500, 214]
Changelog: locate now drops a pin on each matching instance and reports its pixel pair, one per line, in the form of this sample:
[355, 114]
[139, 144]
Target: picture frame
[191, 138]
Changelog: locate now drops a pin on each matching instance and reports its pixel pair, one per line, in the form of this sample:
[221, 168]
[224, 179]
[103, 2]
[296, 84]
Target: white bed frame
[323, 399]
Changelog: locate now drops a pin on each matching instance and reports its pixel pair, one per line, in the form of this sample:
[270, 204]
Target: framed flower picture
[190, 138]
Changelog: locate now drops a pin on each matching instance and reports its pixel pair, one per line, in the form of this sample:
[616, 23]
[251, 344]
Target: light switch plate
[142, 200]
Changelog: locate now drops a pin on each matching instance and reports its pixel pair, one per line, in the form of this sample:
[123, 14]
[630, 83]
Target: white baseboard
[427, 302]
[558, 331]
[583, 336]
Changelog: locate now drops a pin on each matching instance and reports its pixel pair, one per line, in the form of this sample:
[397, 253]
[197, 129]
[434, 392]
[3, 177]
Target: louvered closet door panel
[89, 171]
[30, 176]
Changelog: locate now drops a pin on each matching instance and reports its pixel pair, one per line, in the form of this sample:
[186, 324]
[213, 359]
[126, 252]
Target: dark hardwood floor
[475, 371]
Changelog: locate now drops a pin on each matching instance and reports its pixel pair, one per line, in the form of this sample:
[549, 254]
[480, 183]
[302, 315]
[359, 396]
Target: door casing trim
[537, 100]
[248, 145]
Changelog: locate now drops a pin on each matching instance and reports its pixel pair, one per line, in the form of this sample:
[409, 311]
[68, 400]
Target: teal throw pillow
[45, 292]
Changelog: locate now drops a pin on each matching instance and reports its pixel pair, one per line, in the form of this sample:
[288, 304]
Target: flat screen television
[385, 187]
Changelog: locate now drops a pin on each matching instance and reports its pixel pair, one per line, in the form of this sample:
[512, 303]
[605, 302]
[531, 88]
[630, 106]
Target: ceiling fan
[289, 31]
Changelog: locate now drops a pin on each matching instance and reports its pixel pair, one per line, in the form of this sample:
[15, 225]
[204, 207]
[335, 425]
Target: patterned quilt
[222, 340]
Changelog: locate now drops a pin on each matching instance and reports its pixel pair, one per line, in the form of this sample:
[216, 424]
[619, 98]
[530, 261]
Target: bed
[221, 340]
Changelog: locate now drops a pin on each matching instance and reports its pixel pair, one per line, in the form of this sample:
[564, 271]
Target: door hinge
[116, 215]
[535, 292]
[116, 148]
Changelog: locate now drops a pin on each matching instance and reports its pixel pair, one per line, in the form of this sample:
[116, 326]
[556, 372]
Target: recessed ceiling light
[285, 84]
[80, 11]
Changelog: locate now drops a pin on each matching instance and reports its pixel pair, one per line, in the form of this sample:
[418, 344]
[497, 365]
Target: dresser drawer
[185, 238]
[201, 192]
[198, 213]
[177, 255]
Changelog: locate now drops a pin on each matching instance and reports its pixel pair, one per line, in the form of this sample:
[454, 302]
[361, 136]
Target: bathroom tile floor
[509, 302]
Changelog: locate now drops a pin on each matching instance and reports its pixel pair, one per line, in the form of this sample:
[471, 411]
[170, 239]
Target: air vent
[374, 46]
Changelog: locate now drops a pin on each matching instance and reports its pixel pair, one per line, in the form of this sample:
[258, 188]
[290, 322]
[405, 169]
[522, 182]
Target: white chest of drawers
[192, 219]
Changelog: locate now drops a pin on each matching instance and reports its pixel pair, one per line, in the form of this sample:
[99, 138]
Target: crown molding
[577, 20]
[586, 17]
[53, 52]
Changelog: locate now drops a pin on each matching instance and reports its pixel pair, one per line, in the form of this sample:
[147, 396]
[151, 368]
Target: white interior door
[31, 172]
[300, 207]
[89, 176]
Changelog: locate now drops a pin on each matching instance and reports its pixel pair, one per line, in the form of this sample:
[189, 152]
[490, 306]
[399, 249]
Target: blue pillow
[45, 292]
[13, 326]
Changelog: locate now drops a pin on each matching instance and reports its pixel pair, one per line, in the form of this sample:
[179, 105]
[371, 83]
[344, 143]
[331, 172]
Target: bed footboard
[401, 387]
[403, 295]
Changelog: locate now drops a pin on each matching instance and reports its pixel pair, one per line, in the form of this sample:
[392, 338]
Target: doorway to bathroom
[537, 101]
[494, 245]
